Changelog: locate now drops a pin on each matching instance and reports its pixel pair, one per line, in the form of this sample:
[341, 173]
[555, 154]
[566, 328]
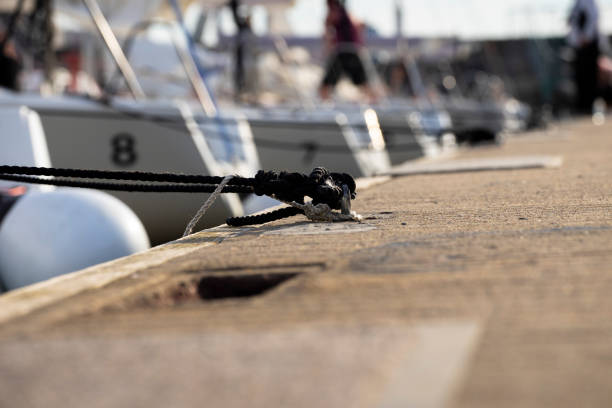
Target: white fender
[46, 234]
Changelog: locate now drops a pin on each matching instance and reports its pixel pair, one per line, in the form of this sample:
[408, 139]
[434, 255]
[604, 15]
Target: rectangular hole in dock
[240, 286]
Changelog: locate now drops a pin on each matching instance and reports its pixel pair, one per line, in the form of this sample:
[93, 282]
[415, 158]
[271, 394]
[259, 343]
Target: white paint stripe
[487, 164]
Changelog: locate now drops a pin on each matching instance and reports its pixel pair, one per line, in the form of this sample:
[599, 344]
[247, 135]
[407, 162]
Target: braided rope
[206, 205]
[263, 218]
[129, 187]
[322, 186]
[119, 175]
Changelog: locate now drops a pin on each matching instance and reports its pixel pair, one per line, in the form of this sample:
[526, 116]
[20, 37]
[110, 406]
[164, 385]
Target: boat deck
[487, 288]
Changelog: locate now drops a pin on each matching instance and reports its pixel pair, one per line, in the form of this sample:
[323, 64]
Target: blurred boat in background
[151, 85]
[153, 136]
[131, 132]
[436, 95]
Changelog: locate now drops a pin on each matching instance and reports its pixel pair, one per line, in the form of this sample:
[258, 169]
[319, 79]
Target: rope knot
[321, 185]
[262, 184]
[327, 190]
[328, 187]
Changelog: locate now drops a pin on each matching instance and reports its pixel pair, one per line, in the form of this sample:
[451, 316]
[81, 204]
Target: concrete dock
[478, 285]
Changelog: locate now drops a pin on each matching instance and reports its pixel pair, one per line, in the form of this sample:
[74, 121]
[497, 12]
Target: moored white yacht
[122, 133]
[301, 139]
[146, 136]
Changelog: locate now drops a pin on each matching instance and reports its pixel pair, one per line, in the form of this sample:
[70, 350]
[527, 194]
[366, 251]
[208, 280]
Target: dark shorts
[9, 72]
[348, 63]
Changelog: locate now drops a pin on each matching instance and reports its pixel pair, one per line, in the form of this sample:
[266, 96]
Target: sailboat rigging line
[114, 48]
[111, 85]
[332, 189]
[190, 65]
[193, 68]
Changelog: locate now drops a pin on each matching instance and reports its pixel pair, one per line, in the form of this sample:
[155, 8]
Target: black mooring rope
[120, 175]
[128, 187]
[265, 217]
[320, 185]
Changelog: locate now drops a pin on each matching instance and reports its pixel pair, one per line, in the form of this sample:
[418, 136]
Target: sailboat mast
[48, 56]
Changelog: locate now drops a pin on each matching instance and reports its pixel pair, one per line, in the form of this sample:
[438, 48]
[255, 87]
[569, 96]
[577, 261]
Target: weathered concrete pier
[464, 288]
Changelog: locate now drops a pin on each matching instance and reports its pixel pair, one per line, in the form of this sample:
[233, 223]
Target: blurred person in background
[343, 42]
[584, 38]
[10, 65]
[244, 52]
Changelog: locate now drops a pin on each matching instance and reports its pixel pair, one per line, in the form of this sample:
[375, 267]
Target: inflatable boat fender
[47, 234]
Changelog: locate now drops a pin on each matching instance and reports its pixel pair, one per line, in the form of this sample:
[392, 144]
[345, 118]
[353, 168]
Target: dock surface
[468, 287]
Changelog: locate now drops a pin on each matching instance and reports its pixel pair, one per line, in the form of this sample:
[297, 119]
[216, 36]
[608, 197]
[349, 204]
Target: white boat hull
[301, 141]
[90, 136]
